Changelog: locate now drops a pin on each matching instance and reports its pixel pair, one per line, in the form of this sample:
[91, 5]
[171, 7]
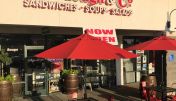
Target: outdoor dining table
[162, 90]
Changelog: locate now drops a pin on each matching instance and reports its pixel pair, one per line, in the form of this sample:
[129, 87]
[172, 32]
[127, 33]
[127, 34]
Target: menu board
[141, 63]
[139, 59]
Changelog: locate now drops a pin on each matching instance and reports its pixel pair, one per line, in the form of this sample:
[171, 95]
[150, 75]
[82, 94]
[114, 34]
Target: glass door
[36, 77]
[129, 71]
[136, 67]
[141, 64]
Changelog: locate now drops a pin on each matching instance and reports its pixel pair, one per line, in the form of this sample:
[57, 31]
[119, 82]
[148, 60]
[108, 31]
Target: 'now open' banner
[107, 35]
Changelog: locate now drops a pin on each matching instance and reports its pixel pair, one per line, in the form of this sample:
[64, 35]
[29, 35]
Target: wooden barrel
[71, 83]
[151, 80]
[17, 86]
[6, 92]
[143, 79]
[142, 86]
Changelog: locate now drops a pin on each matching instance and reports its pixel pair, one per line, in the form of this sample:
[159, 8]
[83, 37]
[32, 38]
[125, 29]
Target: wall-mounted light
[168, 23]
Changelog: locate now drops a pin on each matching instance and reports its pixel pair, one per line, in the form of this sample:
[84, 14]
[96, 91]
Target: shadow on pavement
[36, 98]
[88, 99]
[122, 93]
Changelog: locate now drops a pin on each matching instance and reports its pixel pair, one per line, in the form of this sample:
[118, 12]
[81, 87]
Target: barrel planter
[142, 86]
[151, 80]
[6, 91]
[71, 83]
[16, 85]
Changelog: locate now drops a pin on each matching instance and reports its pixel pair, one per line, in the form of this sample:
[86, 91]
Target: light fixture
[168, 23]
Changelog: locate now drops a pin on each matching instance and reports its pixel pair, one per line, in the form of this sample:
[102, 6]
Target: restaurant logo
[119, 3]
[110, 7]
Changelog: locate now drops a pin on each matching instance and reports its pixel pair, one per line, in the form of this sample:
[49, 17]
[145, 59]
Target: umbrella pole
[84, 80]
[85, 91]
[162, 83]
[163, 96]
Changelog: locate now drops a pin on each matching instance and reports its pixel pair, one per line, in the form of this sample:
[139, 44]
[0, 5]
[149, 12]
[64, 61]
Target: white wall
[119, 66]
[149, 15]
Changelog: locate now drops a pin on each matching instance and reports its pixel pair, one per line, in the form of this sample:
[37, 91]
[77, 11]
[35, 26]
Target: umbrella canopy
[158, 43]
[85, 47]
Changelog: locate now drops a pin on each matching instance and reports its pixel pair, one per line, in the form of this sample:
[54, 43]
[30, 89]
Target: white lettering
[33, 4]
[26, 3]
[94, 9]
[39, 4]
[52, 5]
[99, 31]
[106, 35]
[55, 5]
[44, 4]
[12, 49]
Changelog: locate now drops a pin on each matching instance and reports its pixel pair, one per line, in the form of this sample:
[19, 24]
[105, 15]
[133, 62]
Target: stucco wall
[149, 15]
[171, 69]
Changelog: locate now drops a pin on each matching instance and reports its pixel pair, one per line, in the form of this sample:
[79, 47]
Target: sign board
[110, 7]
[171, 57]
[107, 35]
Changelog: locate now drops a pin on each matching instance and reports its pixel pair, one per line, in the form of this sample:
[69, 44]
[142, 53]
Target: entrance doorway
[143, 64]
[35, 72]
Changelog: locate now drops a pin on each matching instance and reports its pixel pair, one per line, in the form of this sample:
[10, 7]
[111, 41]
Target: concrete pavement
[120, 93]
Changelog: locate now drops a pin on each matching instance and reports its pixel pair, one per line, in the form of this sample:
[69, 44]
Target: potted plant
[67, 72]
[70, 80]
[6, 87]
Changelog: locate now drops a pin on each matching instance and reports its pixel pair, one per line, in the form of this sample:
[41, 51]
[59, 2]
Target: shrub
[7, 78]
[69, 71]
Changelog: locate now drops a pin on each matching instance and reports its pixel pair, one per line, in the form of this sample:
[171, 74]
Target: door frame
[26, 49]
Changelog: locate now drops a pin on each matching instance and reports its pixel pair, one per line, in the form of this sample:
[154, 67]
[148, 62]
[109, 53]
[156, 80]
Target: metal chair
[172, 95]
[88, 83]
[144, 90]
[153, 96]
[148, 94]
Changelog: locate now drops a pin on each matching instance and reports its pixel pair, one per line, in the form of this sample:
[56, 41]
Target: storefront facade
[133, 22]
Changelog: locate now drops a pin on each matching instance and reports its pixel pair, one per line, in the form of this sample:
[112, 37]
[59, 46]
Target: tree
[5, 59]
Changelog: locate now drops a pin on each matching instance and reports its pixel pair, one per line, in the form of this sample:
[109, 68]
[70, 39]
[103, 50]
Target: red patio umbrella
[85, 47]
[158, 43]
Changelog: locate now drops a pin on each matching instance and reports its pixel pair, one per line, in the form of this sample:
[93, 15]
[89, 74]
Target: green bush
[69, 71]
[7, 78]
[4, 57]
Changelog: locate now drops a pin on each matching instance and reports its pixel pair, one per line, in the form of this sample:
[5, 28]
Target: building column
[119, 65]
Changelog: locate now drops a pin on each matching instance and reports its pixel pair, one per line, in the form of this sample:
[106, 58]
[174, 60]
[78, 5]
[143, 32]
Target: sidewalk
[120, 93]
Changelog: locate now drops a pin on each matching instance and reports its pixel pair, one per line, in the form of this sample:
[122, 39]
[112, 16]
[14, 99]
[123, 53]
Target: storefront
[22, 44]
[31, 26]
[134, 68]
